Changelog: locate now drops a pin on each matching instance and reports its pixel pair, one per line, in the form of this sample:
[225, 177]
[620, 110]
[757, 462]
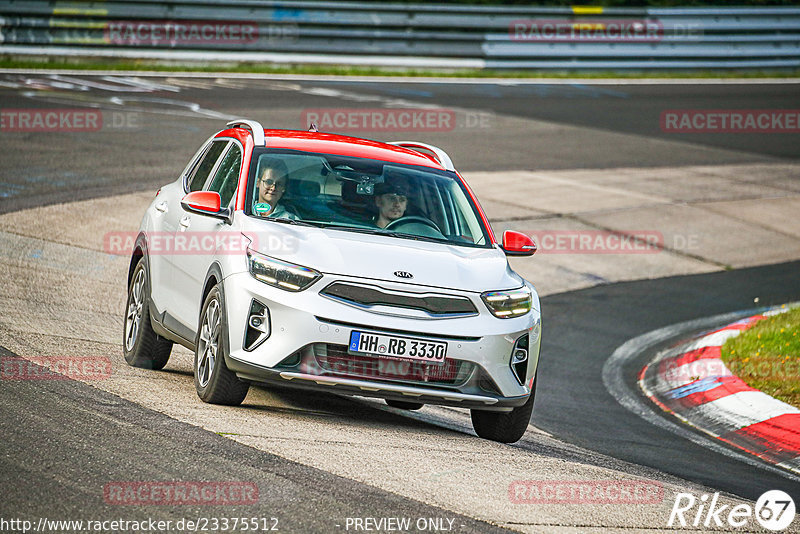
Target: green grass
[767, 356]
[89, 64]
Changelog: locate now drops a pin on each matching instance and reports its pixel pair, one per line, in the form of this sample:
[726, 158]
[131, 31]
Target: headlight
[508, 304]
[279, 273]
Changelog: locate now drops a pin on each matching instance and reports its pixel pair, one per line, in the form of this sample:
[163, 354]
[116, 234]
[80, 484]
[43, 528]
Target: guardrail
[408, 35]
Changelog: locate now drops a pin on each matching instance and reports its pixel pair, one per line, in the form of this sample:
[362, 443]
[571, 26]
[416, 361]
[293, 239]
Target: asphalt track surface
[79, 439]
[111, 438]
[632, 109]
[157, 130]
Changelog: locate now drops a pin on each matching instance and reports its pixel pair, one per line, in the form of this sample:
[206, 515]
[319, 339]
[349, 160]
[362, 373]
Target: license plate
[397, 347]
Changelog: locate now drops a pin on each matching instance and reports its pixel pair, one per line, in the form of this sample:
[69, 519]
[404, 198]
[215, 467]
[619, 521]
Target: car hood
[346, 253]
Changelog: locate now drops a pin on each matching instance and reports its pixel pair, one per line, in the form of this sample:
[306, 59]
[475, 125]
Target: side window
[201, 172]
[227, 176]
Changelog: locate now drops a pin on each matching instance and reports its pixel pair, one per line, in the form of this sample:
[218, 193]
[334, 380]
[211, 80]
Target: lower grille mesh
[335, 360]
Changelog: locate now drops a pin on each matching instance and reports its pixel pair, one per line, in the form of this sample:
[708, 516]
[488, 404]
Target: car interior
[327, 189]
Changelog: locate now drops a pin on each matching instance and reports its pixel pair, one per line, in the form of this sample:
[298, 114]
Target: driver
[391, 200]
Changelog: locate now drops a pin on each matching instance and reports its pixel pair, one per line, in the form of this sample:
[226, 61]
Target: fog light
[519, 359]
[258, 329]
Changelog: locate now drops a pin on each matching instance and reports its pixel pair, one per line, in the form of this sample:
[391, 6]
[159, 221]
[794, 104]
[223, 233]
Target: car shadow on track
[284, 401]
[277, 399]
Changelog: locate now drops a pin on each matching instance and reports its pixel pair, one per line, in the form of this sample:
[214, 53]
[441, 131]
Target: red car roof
[341, 145]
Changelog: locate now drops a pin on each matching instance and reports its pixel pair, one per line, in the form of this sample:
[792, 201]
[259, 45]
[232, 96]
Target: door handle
[185, 222]
[161, 206]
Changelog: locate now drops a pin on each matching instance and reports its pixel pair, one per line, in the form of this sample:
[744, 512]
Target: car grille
[381, 300]
[335, 360]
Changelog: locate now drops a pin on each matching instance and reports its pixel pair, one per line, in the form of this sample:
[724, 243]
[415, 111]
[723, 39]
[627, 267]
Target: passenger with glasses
[271, 186]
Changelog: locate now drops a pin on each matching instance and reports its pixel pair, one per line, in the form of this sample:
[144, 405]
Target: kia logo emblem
[403, 274]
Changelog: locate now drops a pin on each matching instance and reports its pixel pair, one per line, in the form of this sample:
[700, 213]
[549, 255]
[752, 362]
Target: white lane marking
[178, 108]
[191, 83]
[192, 107]
[389, 102]
[231, 84]
[793, 464]
[777, 311]
[739, 410]
[121, 87]
[138, 82]
[417, 79]
[616, 386]
[418, 62]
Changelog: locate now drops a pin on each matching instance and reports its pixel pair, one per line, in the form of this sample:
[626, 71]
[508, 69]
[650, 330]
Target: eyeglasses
[391, 197]
[269, 182]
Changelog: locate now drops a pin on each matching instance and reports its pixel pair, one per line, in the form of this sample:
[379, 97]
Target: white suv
[336, 264]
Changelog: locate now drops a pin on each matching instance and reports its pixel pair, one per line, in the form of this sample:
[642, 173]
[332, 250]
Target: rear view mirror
[517, 244]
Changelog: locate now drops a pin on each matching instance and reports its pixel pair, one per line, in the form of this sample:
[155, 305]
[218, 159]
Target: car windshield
[363, 195]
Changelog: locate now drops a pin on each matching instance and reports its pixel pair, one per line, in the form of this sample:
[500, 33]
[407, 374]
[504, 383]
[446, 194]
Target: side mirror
[206, 203]
[517, 244]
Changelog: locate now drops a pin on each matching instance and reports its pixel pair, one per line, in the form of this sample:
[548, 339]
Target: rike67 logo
[774, 510]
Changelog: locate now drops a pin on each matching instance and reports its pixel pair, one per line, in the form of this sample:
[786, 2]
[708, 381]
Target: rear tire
[214, 382]
[141, 346]
[404, 405]
[505, 427]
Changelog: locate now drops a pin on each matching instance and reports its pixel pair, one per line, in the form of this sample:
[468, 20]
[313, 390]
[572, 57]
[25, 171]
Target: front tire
[505, 427]
[214, 382]
[141, 346]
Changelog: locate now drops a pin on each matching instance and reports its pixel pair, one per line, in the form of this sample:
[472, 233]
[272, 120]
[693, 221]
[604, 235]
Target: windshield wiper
[366, 230]
[360, 229]
[421, 237]
[388, 233]
[289, 221]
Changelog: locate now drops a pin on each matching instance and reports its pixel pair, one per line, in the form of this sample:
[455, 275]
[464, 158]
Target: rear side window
[227, 176]
[203, 169]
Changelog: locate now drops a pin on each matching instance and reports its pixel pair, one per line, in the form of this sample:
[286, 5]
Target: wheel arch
[139, 253]
[213, 277]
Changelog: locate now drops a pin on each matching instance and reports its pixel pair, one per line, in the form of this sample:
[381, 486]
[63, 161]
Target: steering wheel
[411, 219]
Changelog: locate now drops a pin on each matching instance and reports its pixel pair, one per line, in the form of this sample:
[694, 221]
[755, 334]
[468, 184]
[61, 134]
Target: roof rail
[255, 127]
[440, 155]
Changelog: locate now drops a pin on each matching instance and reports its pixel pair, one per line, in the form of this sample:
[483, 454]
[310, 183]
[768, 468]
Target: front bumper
[309, 334]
